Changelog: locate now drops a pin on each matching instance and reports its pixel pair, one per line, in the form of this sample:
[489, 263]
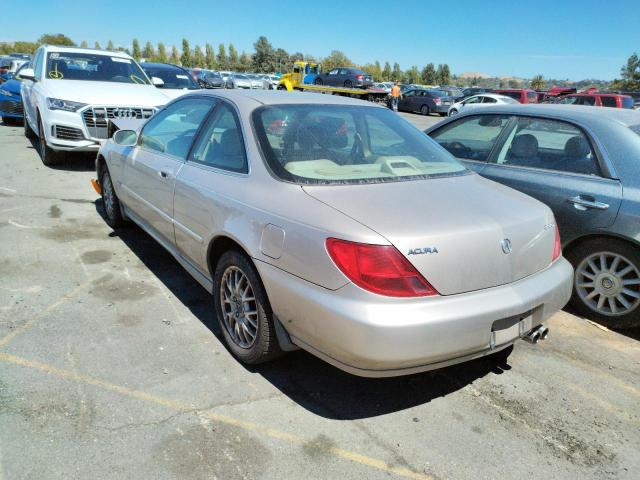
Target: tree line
[264, 59]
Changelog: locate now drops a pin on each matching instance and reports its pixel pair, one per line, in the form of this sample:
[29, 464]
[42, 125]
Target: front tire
[243, 310]
[28, 132]
[453, 112]
[606, 286]
[110, 200]
[48, 156]
[348, 84]
[317, 81]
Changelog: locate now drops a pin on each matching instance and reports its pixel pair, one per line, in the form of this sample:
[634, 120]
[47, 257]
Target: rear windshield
[172, 78]
[333, 144]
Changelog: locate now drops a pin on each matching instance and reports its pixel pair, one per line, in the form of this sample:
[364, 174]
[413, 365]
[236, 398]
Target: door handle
[583, 202]
[164, 174]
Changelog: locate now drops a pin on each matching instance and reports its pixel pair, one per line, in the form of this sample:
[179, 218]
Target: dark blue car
[584, 163]
[10, 100]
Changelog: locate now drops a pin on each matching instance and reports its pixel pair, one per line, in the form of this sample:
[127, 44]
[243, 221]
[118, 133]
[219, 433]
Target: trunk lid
[453, 230]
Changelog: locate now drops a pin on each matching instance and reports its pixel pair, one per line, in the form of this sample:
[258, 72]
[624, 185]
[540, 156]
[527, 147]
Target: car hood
[176, 92]
[452, 229]
[105, 93]
[12, 86]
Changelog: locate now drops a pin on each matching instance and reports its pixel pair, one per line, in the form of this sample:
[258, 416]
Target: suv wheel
[606, 284]
[48, 156]
[243, 310]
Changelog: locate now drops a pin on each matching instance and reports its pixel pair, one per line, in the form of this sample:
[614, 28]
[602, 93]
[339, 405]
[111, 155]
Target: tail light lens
[437, 101]
[557, 246]
[359, 77]
[379, 269]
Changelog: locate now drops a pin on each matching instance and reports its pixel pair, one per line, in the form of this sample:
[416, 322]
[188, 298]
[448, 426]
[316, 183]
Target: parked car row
[221, 79]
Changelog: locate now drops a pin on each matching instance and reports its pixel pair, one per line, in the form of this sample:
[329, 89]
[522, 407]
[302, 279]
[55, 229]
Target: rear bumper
[442, 108]
[375, 336]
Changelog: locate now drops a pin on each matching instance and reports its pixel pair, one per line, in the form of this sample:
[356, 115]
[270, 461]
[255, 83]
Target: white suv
[71, 94]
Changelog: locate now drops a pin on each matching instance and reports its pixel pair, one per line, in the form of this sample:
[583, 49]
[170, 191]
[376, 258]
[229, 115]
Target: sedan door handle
[164, 174]
[583, 202]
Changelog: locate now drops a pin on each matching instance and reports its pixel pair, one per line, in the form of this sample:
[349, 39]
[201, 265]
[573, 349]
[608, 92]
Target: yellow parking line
[183, 407]
[30, 323]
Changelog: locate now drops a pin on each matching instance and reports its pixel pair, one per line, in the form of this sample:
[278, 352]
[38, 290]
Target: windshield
[172, 77]
[93, 67]
[326, 144]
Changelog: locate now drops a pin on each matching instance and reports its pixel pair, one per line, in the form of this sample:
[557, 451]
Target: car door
[332, 77]
[475, 100]
[215, 171]
[471, 139]
[150, 170]
[407, 101]
[556, 162]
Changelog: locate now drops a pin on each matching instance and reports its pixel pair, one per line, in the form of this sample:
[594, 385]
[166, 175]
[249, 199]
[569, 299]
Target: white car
[478, 101]
[71, 95]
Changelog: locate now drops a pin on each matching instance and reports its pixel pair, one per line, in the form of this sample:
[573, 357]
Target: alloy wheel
[608, 283]
[239, 307]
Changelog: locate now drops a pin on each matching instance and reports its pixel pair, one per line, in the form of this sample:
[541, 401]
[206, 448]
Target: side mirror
[126, 138]
[158, 82]
[28, 74]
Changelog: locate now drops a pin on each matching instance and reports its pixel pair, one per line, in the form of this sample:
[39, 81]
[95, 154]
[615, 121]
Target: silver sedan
[333, 225]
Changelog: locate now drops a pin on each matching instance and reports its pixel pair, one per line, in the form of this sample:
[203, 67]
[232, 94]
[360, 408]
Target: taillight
[557, 246]
[379, 269]
[359, 77]
[437, 101]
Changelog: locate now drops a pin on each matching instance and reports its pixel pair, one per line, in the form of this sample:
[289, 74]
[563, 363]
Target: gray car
[584, 163]
[239, 80]
[334, 225]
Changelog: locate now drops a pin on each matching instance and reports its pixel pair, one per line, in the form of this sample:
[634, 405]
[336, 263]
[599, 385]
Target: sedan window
[171, 131]
[489, 100]
[220, 145]
[548, 144]
[471, 138]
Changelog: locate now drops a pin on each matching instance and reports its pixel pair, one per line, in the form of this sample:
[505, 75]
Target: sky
[562, 39]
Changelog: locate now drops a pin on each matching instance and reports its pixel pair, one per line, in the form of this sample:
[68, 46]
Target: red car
[614, 100]
[523, 95]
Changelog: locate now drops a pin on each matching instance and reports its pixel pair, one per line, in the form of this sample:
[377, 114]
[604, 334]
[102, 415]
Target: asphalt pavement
[112, 367]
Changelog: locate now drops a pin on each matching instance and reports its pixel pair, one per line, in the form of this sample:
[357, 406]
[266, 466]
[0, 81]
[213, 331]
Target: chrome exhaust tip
[536, 334]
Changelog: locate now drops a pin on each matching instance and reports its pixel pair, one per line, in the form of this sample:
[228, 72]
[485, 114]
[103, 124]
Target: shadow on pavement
[305, 379]
[73, 161]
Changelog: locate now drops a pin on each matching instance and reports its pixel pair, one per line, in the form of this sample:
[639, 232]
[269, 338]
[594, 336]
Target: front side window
[220, 145]
[326, 144]
[473, 100]
[548, 144]
[93, 67]
[171, 131]
[471, 138]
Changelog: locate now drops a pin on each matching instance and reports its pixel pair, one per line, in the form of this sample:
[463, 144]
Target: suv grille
[96, 119]
[67, 133]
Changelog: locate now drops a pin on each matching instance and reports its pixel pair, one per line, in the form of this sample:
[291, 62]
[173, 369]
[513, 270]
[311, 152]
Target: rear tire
[48, 156]
[608, 294]
[424, 110]
[110, 200]
[243, 310]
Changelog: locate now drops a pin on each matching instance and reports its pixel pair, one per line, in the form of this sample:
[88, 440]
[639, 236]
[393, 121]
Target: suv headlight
[6, 93]
[66, 105]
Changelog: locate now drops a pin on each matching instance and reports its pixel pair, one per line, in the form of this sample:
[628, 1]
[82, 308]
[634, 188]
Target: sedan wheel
[607, 283]
[453, 112]
[317, 81]
[110, 200]
[243, 310]
[424, 110]
[348, 84]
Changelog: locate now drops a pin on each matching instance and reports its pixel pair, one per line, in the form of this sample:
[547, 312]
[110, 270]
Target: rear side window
[608, 101]
[548, 144]
[221, 145]
[471, 138]
[532, 97]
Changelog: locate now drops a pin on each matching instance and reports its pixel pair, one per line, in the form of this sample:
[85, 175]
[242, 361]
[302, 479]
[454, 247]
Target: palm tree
[538, 82]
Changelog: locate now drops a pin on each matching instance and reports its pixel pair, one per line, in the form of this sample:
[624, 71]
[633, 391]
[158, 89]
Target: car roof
[60, 48]
[161, 66]
[581, 113]
[254, 98]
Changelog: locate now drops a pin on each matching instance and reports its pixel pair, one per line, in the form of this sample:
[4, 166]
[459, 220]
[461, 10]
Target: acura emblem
[124, 113]
[506, 245]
